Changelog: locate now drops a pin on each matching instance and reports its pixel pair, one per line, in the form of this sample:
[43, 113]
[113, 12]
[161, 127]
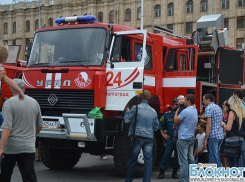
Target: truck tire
[121, 154]
[55, 158]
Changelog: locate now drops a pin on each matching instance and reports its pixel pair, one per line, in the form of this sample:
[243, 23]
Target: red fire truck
[14, 69]
[82, 64]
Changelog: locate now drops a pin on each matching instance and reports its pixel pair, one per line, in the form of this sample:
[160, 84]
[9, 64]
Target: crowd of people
[192, 137]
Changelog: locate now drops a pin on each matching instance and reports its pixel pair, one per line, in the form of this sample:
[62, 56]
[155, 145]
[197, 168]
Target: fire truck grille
[56, 102]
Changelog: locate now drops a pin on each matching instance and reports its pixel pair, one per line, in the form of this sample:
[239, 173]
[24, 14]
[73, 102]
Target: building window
[170, 26]
[27, 44]
[16, 6]
[240, 43]
[241, 22]
[128, 14]
[50, 22]
[226, 23]
[170, 9]
[241, 3]
[138, 13]
[189, 7]
[157, 10]
[100, 17]
[28, 26]
[51, 2]
[6, 8]
[29, 5]
[111, 16]
[14, 27]
[36, 24]
[204, 5]
[5, 30]
[189, 27]
[224, 4]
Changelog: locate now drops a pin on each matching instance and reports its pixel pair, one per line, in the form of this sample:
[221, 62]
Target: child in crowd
[181, 107]
[7, 80]
[202, 150]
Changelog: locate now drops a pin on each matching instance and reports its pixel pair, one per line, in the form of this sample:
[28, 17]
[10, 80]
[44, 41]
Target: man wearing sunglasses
[167, 123]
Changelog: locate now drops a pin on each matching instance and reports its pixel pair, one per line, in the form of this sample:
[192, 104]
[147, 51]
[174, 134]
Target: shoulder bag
[132, 138]
[232, 151]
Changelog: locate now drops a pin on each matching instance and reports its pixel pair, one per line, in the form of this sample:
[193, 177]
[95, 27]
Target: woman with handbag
[231, 147]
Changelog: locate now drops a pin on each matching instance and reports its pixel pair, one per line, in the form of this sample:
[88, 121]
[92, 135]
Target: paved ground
[89, 169]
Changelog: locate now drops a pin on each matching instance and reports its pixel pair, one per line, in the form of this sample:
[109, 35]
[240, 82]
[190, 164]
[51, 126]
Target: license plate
[51, 124]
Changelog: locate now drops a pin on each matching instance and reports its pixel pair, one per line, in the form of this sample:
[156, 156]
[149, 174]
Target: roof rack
[169, 32]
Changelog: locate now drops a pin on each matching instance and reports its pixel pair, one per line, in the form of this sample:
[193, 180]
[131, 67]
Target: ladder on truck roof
[169, 32]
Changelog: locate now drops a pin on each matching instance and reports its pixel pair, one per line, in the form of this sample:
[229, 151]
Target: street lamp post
[117, 11]
[39, 13]
[141, 15]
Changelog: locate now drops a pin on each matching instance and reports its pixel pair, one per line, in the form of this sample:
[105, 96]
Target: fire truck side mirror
[108, 59]
[29, 47]
[111, 64]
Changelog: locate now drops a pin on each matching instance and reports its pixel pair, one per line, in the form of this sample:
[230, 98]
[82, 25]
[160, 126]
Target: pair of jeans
[147, 146]
[25, 163]
[234, 162]
[213, 151]
[185, 154]
[243, 153]
[169, 148]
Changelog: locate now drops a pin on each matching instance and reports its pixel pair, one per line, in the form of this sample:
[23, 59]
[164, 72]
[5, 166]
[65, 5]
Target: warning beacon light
[79, 19]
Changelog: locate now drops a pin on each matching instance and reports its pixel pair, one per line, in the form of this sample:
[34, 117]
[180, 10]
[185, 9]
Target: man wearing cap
[167, 123]
[22, 122]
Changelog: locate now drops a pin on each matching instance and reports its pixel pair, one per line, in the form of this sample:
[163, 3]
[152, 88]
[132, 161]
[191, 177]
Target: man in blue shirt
[187, 121]
[146, 123]
[170, 146]
[214, 131]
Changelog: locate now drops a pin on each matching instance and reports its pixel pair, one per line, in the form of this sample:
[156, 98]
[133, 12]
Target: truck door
[179, 76]
[124, 73]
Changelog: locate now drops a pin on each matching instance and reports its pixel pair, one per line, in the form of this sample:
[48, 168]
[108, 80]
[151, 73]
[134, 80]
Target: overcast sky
[6, 1]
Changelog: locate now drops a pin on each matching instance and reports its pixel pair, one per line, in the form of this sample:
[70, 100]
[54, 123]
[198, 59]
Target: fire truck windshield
[69, 47]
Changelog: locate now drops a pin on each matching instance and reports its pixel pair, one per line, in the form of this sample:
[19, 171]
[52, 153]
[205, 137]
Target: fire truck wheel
[58, 158]
[121, 155]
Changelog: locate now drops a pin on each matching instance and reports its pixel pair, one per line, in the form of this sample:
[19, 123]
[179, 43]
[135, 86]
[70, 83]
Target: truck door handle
[137, 85]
